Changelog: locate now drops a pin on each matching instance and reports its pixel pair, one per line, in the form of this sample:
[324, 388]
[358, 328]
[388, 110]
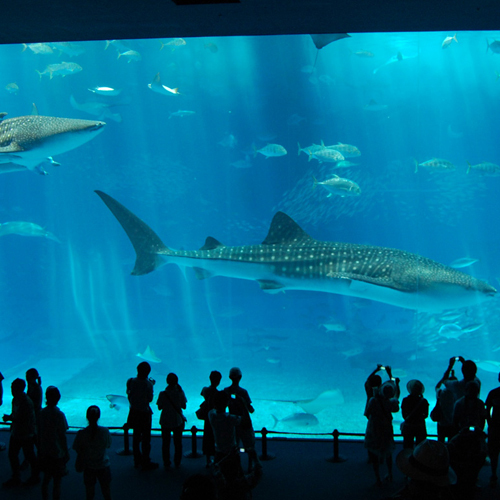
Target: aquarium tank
[319, 211]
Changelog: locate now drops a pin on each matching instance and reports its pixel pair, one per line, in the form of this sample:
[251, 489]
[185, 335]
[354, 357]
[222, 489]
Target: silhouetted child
[493, 417]
[240, 404]
[22, 434]
[140, 394]
[415, 409]
[208, 393]
[171, 402]
[90, 445]
[53, 447]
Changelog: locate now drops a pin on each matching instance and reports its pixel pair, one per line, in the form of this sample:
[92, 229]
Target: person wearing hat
[428, 470]
[379, 435]
[415, 409]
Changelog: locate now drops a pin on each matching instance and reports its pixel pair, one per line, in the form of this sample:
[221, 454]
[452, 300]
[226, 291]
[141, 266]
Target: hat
[428, 462]
[414, 386]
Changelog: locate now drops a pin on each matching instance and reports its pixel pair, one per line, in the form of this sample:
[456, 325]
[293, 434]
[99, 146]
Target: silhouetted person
[224, 425]
[240, 404]
[22, 434]
[34, 390]
[379, 436]
[208, 393]
[446, 402]
[428, 472]
[90, 445]
[470, 411]
[493, 417]
[468, 451]
[415, 409]
[52, 444]
[171, 402]
[2, 445]
[140, 394]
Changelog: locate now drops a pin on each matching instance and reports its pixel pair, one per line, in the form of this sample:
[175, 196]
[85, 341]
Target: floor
[299, 470]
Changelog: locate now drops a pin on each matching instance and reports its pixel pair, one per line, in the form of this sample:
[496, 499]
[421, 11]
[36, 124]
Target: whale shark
[28, 141]
[290, 259]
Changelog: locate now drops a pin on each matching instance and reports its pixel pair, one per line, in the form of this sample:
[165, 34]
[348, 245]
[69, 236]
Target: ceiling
[68, 20]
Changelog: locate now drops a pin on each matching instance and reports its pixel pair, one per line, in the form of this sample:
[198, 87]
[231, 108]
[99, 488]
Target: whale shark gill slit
[290, 259]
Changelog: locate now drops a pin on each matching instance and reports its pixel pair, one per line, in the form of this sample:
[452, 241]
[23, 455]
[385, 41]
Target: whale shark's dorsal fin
[211, 244]
[285, 231]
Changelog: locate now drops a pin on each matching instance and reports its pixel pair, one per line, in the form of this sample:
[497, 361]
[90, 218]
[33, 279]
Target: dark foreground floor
[300, 470]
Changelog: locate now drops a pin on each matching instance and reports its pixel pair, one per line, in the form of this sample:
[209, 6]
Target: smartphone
[457, 358]
[382, 367]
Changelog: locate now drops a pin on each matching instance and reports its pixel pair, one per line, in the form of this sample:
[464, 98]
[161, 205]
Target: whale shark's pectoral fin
[270, 286]
[202, 274]
[13, 147]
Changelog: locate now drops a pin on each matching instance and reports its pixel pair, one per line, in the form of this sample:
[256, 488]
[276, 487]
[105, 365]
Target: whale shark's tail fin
[146, 242]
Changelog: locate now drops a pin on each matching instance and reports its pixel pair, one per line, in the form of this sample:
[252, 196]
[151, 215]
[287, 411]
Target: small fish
[326, 155]
[116, 402]
[60, 69]
[335, 327]
[347, 150]
[149, 355]
[436, 164]
[447, 41]
[374, 106]
[364, 53]
[310, 149]
[181, 112]
[270, 150]
[273, 361]
[297, 420]
[26, 229]
[463, 262]
[346, 164]
[12, 88]
[485, 168]
[472, 328]
[107, 91]
[38, 48]
[450, 316]
[451, 331]
[173, 44]
[339, 186]
[246, 163]
[156, 86]
[494, 46]
[352, 352]
[130, 55]
[117, 44]
[69, 48]
[212, 47]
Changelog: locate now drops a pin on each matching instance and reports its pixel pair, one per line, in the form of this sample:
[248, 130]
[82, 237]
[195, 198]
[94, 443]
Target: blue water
[73, 310]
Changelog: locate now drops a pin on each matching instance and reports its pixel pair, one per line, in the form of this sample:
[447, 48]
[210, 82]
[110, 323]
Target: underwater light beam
[289, 259]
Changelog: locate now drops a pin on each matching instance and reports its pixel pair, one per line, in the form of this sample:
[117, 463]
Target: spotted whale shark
[290, 259]
[28, 141]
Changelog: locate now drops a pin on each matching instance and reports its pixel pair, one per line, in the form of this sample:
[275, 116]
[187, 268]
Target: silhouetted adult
[171, 402]
[22, 434]
[379, 435]
[90, 445]
[240, 404]
[468, 451]
[428, 472]
[140, 394]
[208, 393]
[34, 390]
[415, 409]
[469, 410]
[224, 425]
[493, 417]
[2, 445]
[456, 390]
[52, 444]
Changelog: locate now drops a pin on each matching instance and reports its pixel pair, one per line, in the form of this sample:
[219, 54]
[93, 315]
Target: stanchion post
[194, 445]
[336, 459]
[126, 442]
[265, 455]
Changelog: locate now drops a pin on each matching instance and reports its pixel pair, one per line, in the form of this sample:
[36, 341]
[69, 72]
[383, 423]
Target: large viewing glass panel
[188, 164]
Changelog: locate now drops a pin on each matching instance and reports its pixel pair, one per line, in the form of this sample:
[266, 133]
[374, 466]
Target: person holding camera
[140, 393]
